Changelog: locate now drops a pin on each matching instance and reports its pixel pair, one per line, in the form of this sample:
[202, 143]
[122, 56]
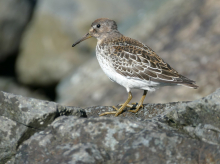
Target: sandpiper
[131, 63]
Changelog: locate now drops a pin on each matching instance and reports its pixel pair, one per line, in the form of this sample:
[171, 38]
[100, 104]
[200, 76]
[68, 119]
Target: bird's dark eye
[98, 25]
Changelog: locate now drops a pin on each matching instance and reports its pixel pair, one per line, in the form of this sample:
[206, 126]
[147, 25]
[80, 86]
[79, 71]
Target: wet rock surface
[36, 131]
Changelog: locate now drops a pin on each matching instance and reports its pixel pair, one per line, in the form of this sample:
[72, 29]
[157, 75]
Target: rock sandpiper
[131, 63]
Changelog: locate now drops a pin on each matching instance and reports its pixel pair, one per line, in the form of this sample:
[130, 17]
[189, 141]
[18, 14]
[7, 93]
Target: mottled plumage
[130, 63]
[135, 60]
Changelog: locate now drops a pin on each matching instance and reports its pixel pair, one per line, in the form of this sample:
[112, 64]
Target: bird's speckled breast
[105, 61]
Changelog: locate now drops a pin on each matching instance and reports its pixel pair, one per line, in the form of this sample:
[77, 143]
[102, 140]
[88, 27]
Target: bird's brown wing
[140, 62]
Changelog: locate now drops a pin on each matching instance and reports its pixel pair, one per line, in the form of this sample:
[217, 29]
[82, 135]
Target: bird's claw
[111, 112]
[136, 109]
[115, 107]
[132, 105]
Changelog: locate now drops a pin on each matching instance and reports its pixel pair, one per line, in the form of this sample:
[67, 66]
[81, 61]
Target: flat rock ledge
[34, 132]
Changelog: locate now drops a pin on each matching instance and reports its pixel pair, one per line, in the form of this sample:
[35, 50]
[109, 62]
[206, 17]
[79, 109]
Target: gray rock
[113, 140]
[15, 15]
[10, 133]
[21, 117]
[180, 132]
[200, 118]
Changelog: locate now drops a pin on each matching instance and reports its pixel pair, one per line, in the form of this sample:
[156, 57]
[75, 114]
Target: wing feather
[135, 60]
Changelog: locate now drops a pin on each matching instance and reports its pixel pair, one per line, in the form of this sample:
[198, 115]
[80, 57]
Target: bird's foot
[134, 106]
[117, 112]
[137, 107]
[120, 110]
[112, 112]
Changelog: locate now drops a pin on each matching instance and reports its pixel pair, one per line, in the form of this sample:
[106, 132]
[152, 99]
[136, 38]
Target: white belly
[128, 83]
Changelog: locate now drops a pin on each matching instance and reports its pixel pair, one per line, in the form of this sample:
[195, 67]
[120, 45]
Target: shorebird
[130, 63]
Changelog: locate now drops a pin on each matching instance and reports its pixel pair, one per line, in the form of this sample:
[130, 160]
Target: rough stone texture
[200, 118]
[10, 133]
[186, 35]
[35, 131]
[21, 117]
[113, 140]
[14, 16]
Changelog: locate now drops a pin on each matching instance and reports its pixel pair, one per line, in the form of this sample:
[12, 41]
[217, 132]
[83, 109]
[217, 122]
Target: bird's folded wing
[144, 64]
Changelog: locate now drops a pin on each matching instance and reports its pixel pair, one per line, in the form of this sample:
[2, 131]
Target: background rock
[15, 14]
[38, 132]
[14, 18]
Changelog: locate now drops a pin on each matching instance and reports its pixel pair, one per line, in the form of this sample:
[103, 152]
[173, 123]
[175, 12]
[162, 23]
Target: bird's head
[100, 29]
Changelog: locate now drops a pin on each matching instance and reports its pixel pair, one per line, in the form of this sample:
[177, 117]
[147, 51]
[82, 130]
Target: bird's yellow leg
[140, 104]
[119, 111]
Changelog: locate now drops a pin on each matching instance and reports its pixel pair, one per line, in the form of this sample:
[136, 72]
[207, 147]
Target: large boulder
[36, 131]
[20, 118]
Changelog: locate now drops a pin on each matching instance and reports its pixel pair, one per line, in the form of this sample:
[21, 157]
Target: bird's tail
[187, 82]
[191, 85]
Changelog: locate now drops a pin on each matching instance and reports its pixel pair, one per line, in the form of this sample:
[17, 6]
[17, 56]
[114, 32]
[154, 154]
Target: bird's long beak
[87, 36]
